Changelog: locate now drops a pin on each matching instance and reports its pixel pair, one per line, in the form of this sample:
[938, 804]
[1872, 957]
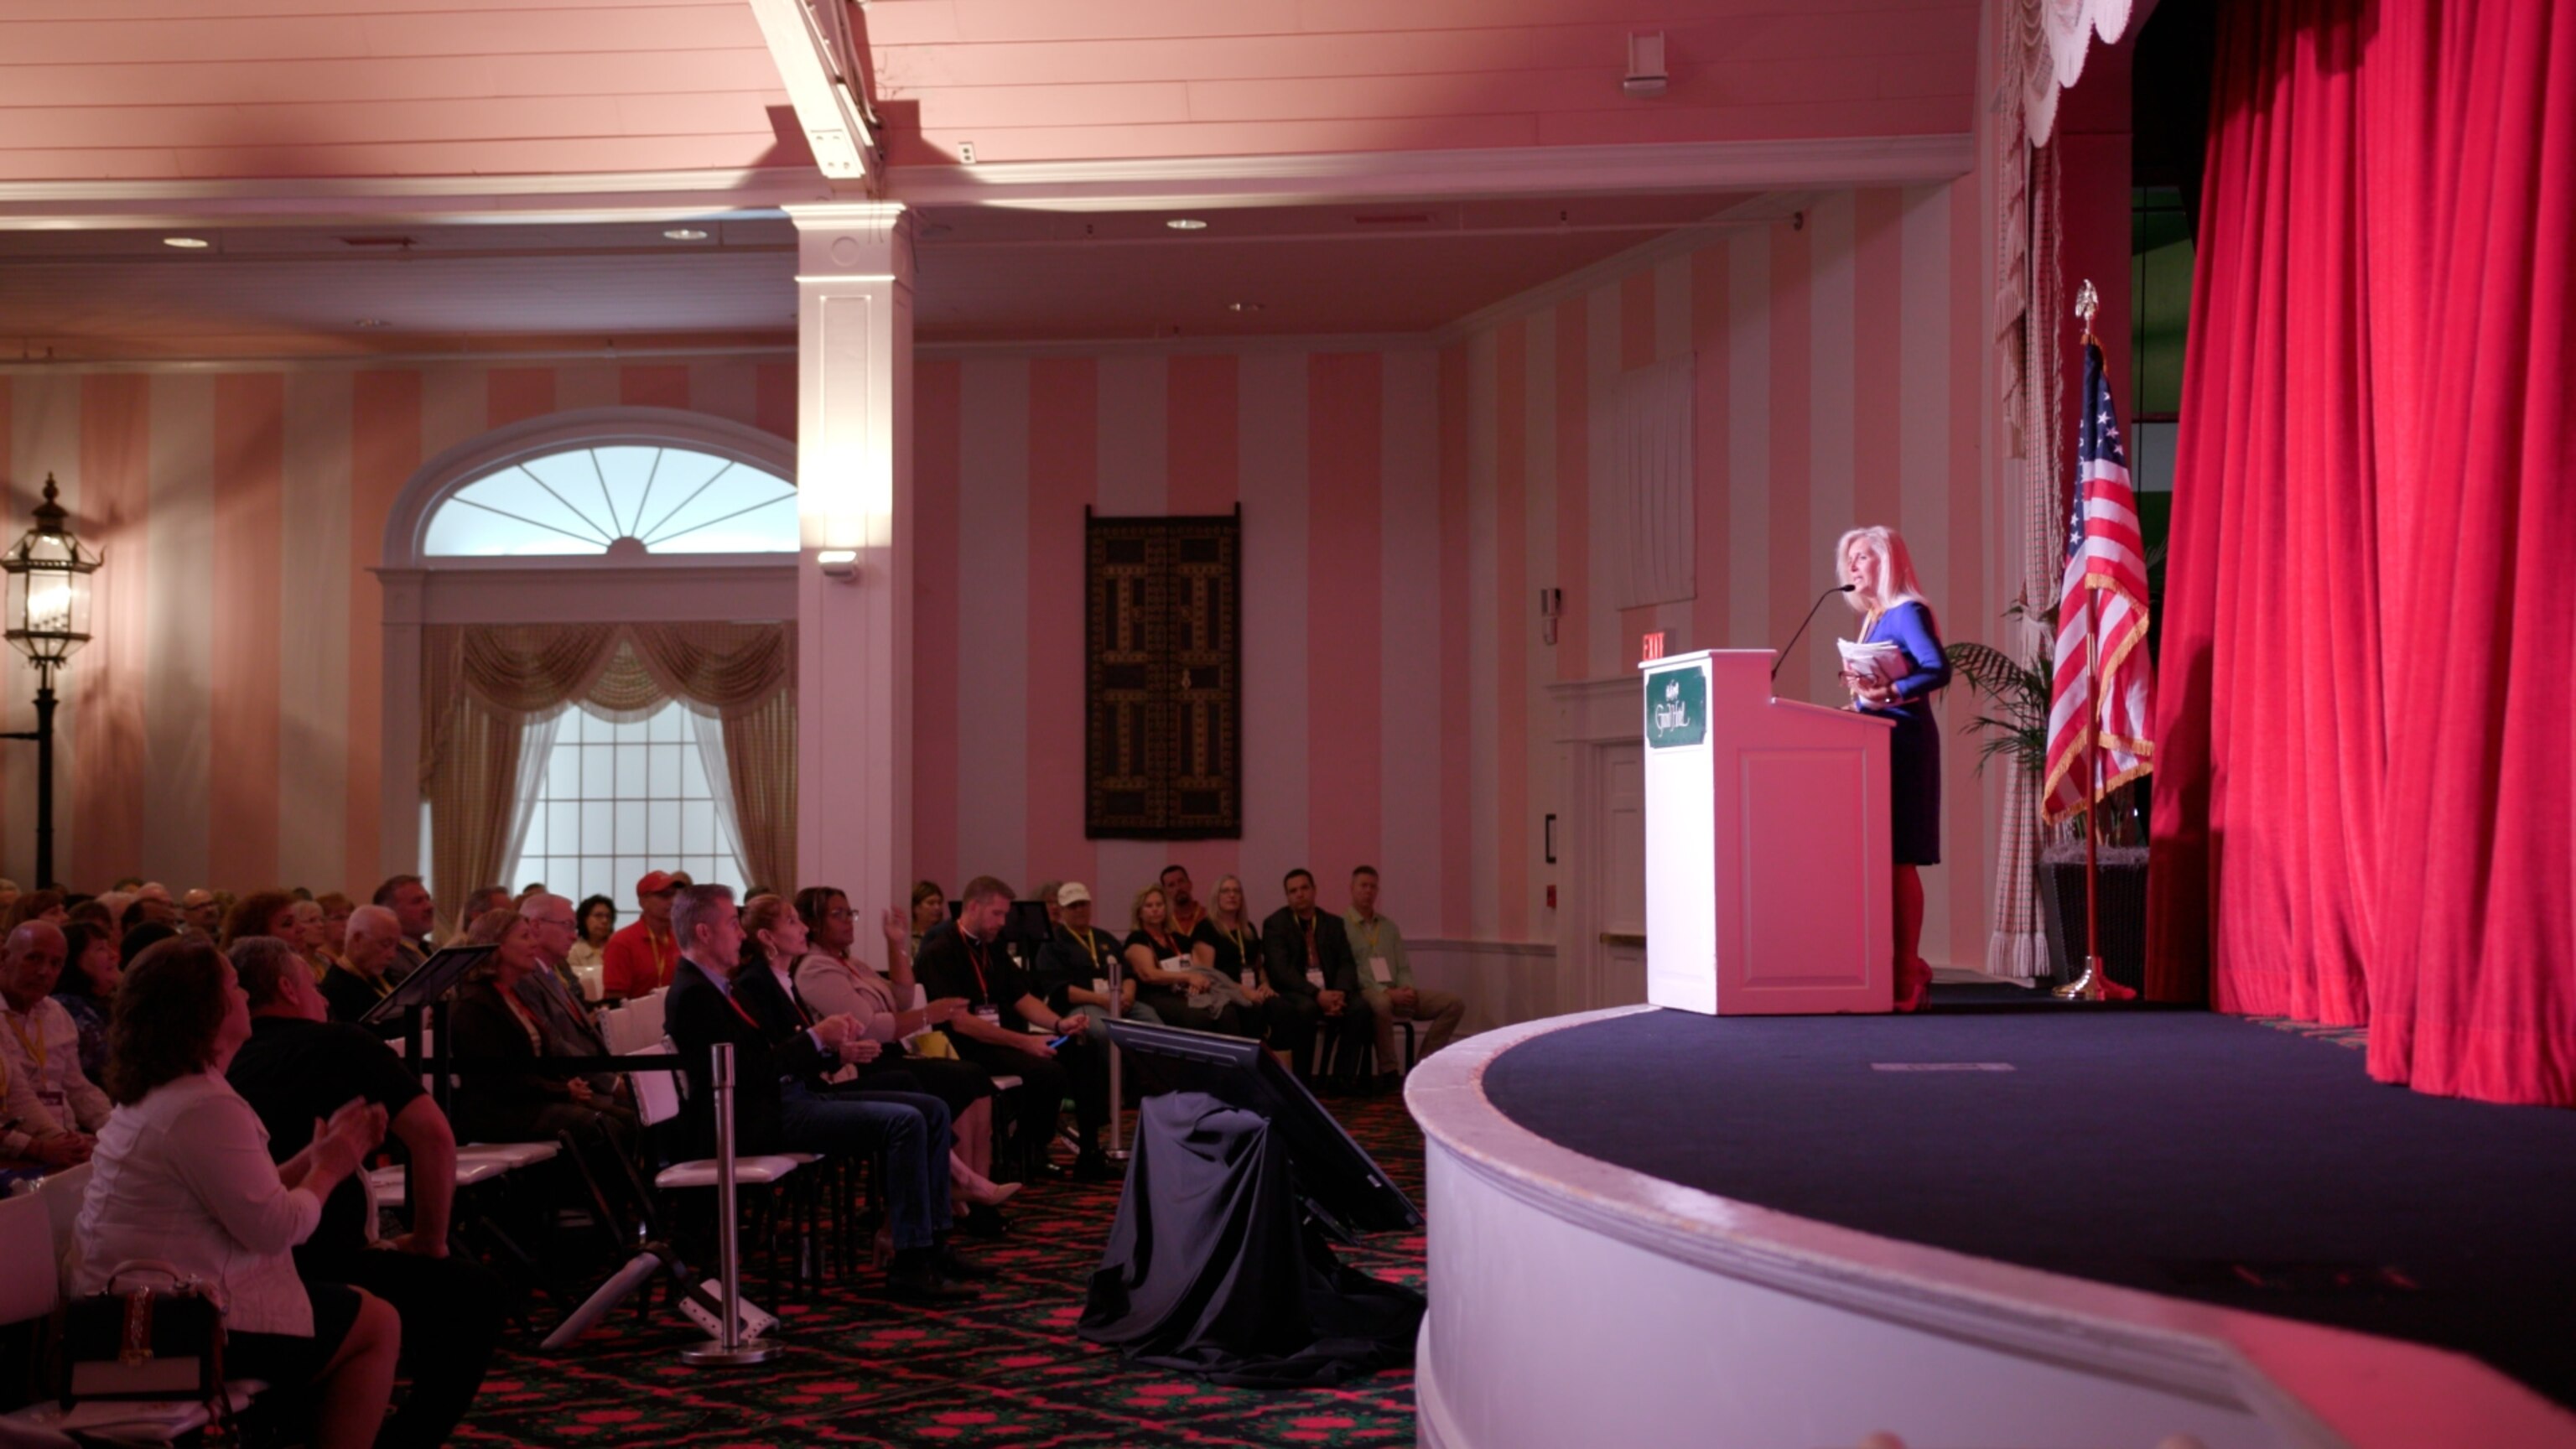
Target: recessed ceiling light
[373, 322]
[186, 243]
[1243, 306]
[1186, 223]
[685, 233]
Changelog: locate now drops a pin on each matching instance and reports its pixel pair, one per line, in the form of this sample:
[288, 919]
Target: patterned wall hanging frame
[1163, 695]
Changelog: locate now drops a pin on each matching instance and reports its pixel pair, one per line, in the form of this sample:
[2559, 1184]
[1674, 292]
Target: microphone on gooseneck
[1778, 658]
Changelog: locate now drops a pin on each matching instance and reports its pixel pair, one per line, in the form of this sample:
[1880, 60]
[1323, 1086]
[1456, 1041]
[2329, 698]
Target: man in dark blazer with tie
[1308, 956]
[778, 1107]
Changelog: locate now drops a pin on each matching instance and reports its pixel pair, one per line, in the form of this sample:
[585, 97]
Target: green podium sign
[1676, 708]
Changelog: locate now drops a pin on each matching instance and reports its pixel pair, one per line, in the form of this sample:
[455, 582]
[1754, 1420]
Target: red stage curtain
[2365, 804]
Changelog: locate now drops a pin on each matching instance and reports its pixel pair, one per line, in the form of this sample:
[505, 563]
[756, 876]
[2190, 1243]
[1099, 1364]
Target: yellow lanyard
[35, 1049]
[1372, 935]
[1091, 948]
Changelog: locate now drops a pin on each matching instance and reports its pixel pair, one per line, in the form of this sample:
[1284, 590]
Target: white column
[854, 496]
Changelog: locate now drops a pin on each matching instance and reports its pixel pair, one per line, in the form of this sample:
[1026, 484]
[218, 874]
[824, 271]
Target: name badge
[989, 1015]
[53, 1100]
[1380, 972]
[1100, 984]
[1315, 977]
[1247, 978]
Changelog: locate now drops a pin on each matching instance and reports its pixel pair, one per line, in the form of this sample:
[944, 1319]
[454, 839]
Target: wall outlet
[966, 153]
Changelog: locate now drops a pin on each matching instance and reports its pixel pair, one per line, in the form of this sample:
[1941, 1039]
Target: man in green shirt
[1386, 980]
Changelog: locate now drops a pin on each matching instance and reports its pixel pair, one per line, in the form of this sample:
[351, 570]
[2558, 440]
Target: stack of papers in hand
[1883, 662]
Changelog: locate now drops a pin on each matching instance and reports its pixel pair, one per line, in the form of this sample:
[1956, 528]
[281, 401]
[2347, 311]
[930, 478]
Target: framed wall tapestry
[1163, 700]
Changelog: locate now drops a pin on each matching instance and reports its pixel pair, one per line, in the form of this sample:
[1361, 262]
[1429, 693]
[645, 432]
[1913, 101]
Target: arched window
[587, 500]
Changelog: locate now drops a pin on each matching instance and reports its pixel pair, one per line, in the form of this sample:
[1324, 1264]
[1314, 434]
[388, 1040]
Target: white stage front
[1575, 1303]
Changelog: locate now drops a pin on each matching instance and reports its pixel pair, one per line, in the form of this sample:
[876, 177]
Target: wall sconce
[841, 565]
[1551, 606]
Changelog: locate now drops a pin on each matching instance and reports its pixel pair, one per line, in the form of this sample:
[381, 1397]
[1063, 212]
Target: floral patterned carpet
[1006, 1370]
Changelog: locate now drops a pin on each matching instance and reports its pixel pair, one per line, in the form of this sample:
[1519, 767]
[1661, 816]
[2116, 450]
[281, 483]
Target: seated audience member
[1386, 981]
[1047, 891]
[149, 911]
[92, 913]
[1308, 956]
[597, 916]
[261, 913]
[775, 937]
[1176, 987]
[41, 1042]
[359, 981]
[639, 960]
[46, 906]
[780, 1107]
[1228, 942]
[182, 1174]
[1187, 912]
[929, 909]
[416, 920]
[552, 991]
[1072, 970]
[335, 914]
[87, 989]
[296, 1069]
[9, 894]
[201, 913]
[965, 958]
[478, 904]
[533, 1102]
[313, 939]
[831, 979]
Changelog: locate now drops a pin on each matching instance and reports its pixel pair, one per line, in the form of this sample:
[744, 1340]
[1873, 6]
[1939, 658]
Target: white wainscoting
[1503, 982]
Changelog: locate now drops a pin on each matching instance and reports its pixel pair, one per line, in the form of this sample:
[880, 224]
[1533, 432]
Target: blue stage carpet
[2199, 1156]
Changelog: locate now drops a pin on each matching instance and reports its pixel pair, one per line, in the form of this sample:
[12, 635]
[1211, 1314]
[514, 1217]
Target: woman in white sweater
[182, 1174]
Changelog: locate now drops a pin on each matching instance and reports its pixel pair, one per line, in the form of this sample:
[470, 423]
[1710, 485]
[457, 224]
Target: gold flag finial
[2088, 302]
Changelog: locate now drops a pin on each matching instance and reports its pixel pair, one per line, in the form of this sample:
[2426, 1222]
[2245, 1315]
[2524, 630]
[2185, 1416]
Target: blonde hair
[1136, 908]
[1897, 581]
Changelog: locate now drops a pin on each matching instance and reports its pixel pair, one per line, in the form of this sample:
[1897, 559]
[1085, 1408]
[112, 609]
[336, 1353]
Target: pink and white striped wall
[225, 726]
[1401, 505]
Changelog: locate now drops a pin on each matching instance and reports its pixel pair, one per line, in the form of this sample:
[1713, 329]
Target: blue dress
[1914, 754]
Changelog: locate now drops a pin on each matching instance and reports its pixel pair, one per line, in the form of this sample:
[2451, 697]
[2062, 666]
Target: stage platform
[1994, 1225]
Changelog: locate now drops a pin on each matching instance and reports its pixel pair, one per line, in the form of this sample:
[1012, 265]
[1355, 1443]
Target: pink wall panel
[107, 775]
[1202, 449]
[1877, 352]
[247, 548]
[1064, 426]
[1968, 795]
[1511, 615]
[1574, 425]
[1343, 458]
[936, 424]
[1457, 779]
[1792, 540]
[385, 450]
[1711, 625]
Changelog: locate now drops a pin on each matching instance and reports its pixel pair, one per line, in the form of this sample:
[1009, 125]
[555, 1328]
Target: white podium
[1768, 864]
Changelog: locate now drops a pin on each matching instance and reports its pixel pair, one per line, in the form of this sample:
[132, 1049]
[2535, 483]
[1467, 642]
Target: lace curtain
[491, 694]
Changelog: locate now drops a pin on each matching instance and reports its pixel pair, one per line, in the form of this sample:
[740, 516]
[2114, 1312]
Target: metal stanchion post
[1117, 1089]
[728, 1349]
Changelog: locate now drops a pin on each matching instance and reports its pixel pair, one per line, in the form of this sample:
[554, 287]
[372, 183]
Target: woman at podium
[1896, 681]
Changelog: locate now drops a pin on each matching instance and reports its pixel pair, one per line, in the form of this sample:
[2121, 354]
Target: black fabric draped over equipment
[1212, 1269]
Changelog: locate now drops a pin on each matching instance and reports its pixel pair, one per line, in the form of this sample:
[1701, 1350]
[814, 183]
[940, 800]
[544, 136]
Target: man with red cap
[639, 959]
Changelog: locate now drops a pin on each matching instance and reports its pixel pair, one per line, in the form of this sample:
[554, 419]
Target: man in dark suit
[1308, 956]
[778, 1106]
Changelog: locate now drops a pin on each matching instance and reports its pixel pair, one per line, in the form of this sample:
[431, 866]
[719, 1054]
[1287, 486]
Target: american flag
[2106, 568]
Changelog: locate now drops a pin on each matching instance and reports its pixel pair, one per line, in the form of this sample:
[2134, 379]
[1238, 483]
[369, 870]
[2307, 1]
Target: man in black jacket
[1308, 956]
[299, 1067]
[777, 1107]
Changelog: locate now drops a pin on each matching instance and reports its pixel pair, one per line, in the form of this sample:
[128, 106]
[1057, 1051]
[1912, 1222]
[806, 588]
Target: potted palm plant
[2016, 695]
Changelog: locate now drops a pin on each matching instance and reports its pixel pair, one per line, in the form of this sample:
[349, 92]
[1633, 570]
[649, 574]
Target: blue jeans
[907, 1133]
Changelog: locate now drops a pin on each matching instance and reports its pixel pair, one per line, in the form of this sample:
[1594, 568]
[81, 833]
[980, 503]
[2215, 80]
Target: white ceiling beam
[824, 90]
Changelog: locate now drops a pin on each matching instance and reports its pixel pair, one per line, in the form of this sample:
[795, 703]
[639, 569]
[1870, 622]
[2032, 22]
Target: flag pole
[2096, 983]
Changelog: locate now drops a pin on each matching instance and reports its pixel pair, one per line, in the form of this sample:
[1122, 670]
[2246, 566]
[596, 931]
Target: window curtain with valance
[491, 694]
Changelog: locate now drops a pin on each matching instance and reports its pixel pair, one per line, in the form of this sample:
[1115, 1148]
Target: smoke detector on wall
[1645, 65]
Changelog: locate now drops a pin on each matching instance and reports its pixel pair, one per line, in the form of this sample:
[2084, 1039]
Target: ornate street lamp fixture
[48, 619]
